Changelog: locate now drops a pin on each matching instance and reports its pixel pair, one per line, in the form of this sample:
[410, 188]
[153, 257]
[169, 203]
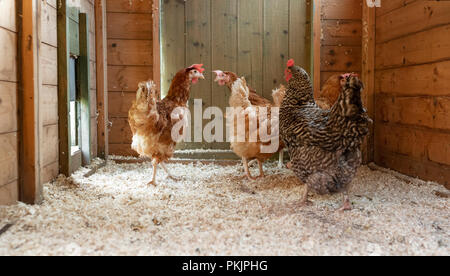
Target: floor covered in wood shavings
[214, 211]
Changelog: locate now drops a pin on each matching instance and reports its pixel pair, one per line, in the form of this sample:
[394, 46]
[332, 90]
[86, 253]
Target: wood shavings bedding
[212, 210]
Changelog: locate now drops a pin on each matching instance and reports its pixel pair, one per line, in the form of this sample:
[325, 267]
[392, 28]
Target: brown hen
[152, 119]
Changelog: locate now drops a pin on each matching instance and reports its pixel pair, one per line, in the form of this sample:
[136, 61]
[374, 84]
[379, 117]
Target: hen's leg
[280, 159]
[261, 170]
[346, 206]
[168, 173]
[251, 162]
[155, 166]
[247, 172]
[304, 201]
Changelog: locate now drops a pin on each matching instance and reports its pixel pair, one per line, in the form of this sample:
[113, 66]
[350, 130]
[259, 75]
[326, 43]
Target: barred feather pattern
[324, 145]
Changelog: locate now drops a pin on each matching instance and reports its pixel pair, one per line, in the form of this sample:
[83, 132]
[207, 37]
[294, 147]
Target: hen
[228, 78]
[245, 147]
[151, 119]
[330, 91]
[324, 145]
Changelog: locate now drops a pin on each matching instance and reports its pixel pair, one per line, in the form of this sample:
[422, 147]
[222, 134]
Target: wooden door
[254, 38]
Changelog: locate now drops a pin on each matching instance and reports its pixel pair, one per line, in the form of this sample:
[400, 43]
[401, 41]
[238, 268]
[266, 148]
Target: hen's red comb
[198, 67]
[290, 63]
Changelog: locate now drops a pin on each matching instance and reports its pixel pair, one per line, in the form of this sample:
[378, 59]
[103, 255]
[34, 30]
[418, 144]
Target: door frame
[67, 161]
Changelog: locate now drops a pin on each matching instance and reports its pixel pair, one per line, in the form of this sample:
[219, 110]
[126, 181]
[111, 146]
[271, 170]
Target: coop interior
[71, 183]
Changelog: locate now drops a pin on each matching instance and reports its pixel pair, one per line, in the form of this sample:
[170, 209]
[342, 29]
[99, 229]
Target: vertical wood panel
[172, 41]
[63, 87]
[85, 100]
[250, 40]
[30, 188]
[101, 78]
[198, 51]
[368, 75]
[224, 40]
[224, 50]
[276, 43]
[300, 33]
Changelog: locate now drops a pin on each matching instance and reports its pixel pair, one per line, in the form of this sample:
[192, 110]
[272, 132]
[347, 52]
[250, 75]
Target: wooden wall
[48, 93]
[130, 59]
[341, 37]
[412, 86]
[8, 104]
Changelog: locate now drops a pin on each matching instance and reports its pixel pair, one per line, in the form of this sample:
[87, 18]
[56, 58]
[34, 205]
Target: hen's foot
[289, 165]
[347, 206]
[152, 183]
[307, 202]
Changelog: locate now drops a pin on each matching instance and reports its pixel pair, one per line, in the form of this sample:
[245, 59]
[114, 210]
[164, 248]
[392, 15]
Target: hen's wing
[143, 114]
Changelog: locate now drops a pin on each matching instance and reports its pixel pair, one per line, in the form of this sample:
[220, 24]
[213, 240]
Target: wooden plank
[30, 186]
[250, 40]
[129, 6]
[48, 23]
[316, 55]
[172, 41]
[388, 6]
[421, 80]
[101, 78]
[276, 43]
[9, 193]
[127, 78]
[418, 16]
[122, 150]
[342, 9]
[49, 172]
[425, 170]
[156, 44]
[8, 18]
[417, 143]
[341, 32]
[130, 52]
[8, 66]
[84, 82]
[120, 131]
[224, 34]
[8, 107]
[48, 64]
[198, 51]
[368, 76]
[402, 140]
[48, 106]
[430, 112]
[129, 26]
[9, 151]
[120, 103]
[74, 37]
[345, 58]
[300, 33]
[423, 47]
[48, 149]
[63, 88]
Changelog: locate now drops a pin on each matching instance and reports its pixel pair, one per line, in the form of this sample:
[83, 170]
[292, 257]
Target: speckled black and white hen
[324, 145]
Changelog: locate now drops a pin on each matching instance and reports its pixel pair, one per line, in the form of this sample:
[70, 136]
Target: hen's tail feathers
[278, 95]
[144, 109]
